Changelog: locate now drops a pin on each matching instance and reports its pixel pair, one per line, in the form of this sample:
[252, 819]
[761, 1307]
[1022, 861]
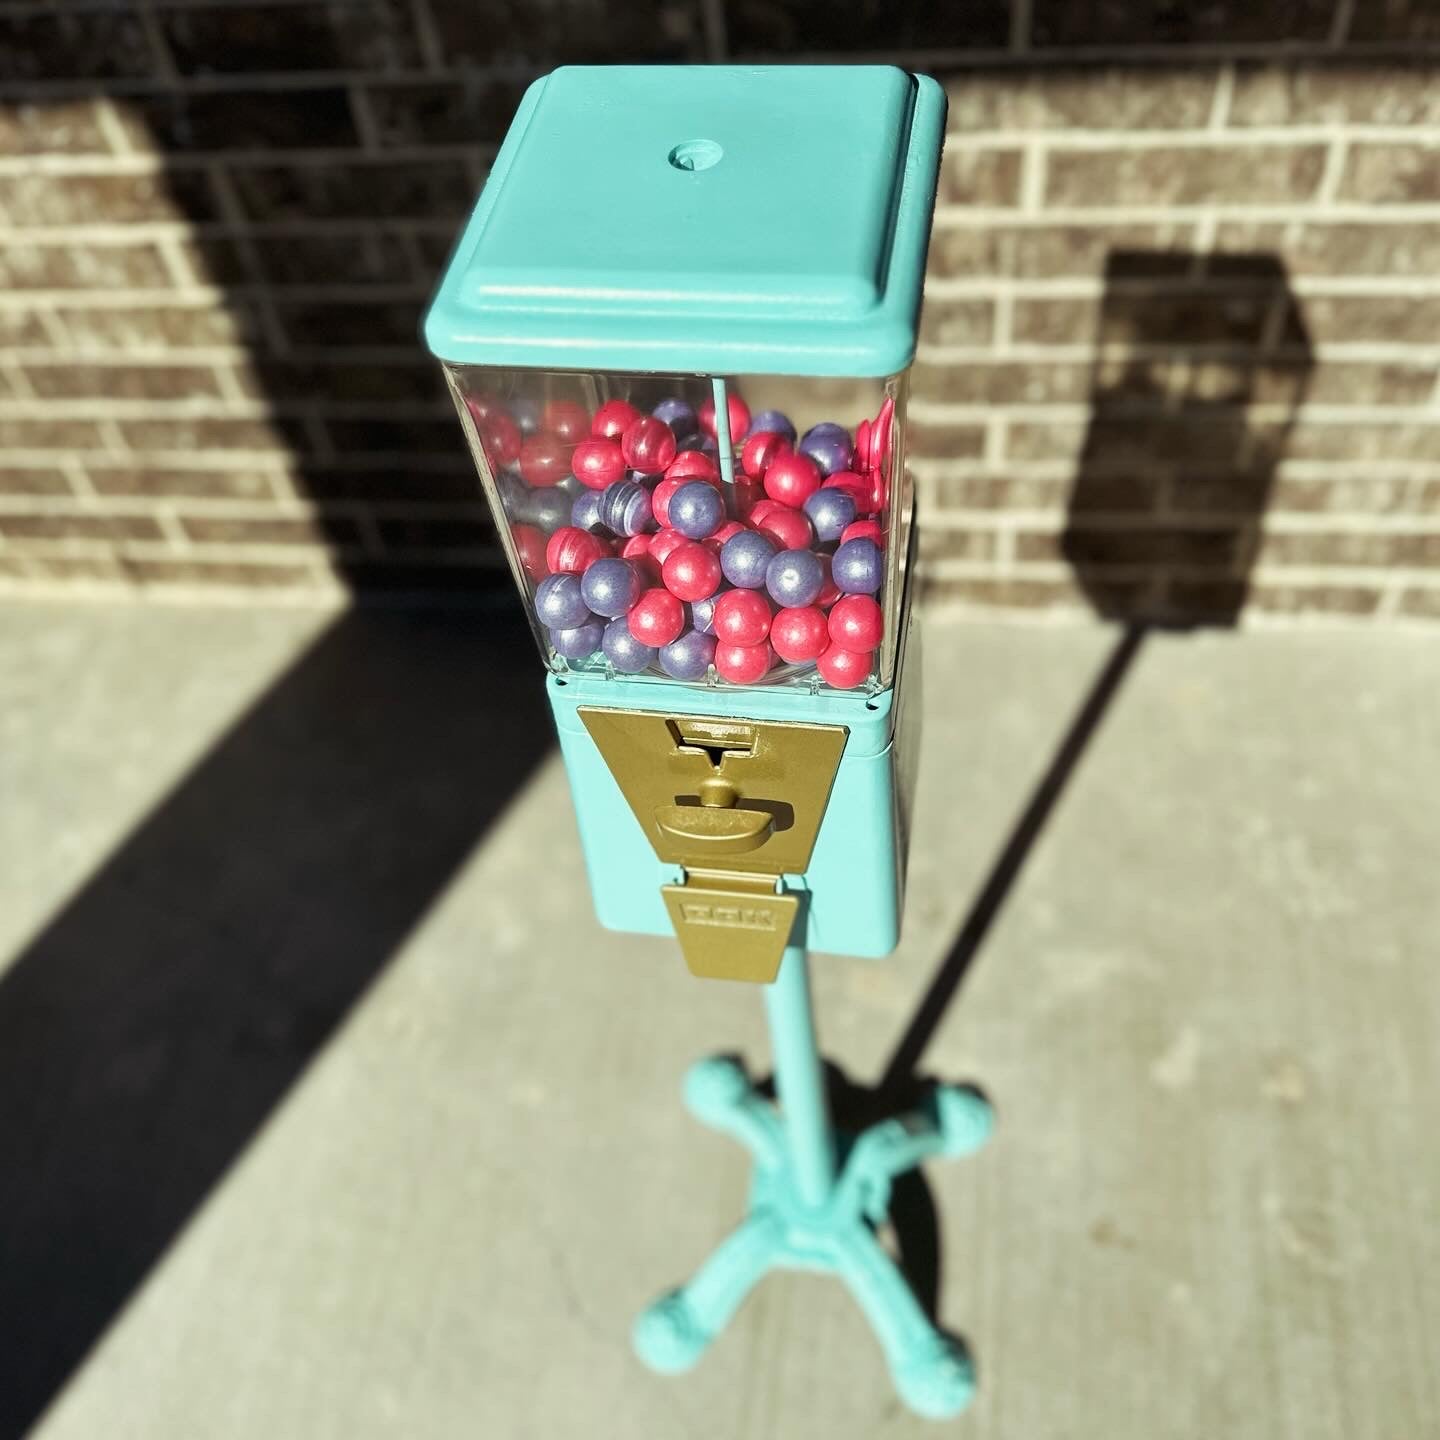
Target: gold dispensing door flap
[736, 804]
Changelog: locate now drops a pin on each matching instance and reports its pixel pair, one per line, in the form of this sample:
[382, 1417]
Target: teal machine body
[707, 252]
[677, 328]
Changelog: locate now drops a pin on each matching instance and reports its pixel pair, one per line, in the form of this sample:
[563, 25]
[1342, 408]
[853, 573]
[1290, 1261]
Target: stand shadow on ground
[150, 1029]
[1192, 403]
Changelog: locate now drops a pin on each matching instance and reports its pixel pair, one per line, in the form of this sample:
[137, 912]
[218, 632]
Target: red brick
[1357, 442]
[943, 440]
[1000, 383]
[1374, 549]
[48, 435]
[996, 492]
[209, 433]
[1400, 319]
[1165, 97]
[189, 484]
[130, 381]
[1310, 93]
[75, 525]
[51, 127]
[271, 530]
[937, 543]
[981, 177]
[957, 322]
[33, 480]
[1218, 174]
[77, 199]
[151, 327]
[1379, 174]
[1052, 251]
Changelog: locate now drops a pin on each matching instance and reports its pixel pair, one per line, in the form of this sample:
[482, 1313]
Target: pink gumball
[567, 420]
[663, 541]
[572, 550]
[792, 479]
[544, 460]
[692, 465]
[744, 664]
[597, 463]
[857, 487]
[862, 445]
[857, 623]
[799, 634]
[613, 419]
[745, 494]
[830, 592]
[739, 413]
[729, 528]
[691, 571]
[530, 546]
[742, 617]
[761, 448]
[863, 530]
[637, 551]
[790, 529]
[656, 618]
[844, 669]
[648, 445]
[500, 438]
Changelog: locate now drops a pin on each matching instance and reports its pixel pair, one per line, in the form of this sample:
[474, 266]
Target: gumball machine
[677, 328]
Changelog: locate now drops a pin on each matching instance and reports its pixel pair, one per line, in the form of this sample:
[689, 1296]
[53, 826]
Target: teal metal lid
[701, 219]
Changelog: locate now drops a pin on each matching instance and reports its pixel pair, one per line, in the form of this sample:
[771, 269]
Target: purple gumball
[578, 643]
[830, 511]
[696, 509]
[625, 506]
[526, 414]
[678, 414]
[829, 446]
[549, 508]
[559, 603]
[611, 586]
[795, 578]
[743, 559]
[702, 612]
[689, 657]
[588, 512]
[627, 654]
[776, 422]
[858, 567]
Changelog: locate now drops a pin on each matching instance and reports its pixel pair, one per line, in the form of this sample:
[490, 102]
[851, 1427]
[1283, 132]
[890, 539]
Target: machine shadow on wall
[1201, 364]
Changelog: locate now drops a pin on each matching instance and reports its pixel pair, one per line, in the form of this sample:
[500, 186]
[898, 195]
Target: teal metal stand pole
[816, 1205]
[800, 1080]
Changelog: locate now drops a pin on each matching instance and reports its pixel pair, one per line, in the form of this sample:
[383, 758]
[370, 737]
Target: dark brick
[236, 120]
[1211, 174]
[271, 530]
[367, 255]
[1395, 93]
[321, 326]
[1085, 97]
[51, 127]
[84, 45]
[983, 177]
[444, 112]
[76, 267]
[1054, 321]
[120, 199]
[394, 436]
[180, 484]
[352, 34]
[522, 32]
[387, 382]
[422, 190]
[218, 259]
[128, 381]
[438, 533]
[1166, 22]
[1404, 20]
[33, 480]
[73, 525]
[1118, 547]
[1379, 174]
[208, 433]
[421, 575]
[406, 486]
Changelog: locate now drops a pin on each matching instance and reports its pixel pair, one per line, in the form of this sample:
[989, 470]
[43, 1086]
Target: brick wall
[1181, 338]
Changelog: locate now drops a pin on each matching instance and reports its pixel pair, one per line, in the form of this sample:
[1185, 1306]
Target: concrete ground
[326, 1110]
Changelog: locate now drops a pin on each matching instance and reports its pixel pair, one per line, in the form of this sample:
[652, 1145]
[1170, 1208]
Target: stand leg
[800, 1079]
[803, 1215]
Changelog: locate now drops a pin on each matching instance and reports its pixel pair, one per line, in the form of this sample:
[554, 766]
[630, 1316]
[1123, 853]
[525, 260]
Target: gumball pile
[641, 554]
